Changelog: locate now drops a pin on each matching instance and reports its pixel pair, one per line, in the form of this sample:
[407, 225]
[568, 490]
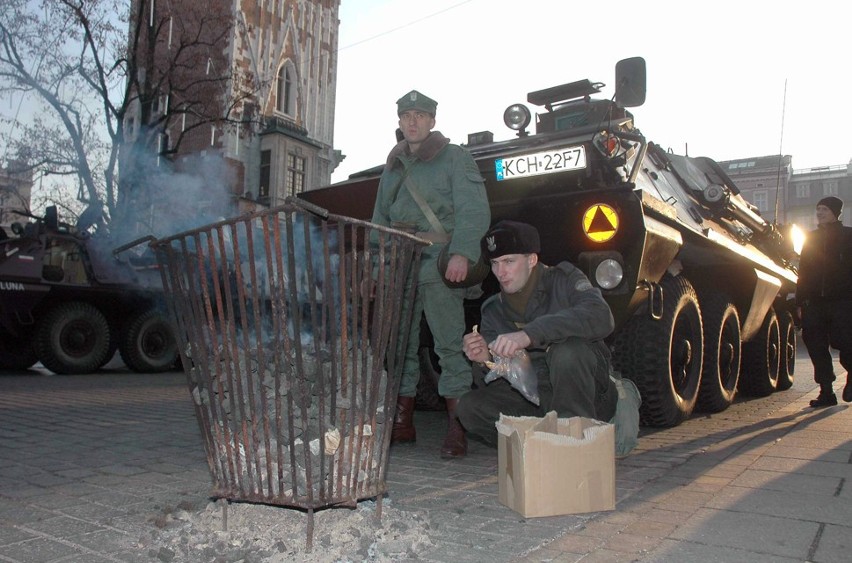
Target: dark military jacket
[825, 266]
[562, 306]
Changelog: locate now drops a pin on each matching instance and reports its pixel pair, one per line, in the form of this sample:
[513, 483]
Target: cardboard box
[552, 466]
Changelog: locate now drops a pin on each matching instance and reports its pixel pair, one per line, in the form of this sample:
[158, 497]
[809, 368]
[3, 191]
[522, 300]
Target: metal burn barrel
[288, 323]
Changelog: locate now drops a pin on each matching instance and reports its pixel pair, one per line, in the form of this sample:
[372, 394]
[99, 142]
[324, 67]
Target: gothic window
[286, 89]
[265, 173]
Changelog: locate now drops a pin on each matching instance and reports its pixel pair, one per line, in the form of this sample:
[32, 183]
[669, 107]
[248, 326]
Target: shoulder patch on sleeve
[583, 285]
[472, 172]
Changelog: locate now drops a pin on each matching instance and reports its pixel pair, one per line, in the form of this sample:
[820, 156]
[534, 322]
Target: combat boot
[455, 442]
[403, 421]
[826, 398]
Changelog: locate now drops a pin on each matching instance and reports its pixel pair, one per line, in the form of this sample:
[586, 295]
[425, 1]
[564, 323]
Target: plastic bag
[518, 371]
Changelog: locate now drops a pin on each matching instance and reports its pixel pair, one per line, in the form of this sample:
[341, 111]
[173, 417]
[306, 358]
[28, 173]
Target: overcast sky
[718, 72]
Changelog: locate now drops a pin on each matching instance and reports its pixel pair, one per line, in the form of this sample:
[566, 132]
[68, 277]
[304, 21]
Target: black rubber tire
[16, 353]
[762, 359]
[722, 352]
[664, 357]
[787, 332]
[113, 347]
[72, 338]
[147, 343]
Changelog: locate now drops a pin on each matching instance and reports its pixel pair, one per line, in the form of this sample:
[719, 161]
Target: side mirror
[630, 82]
[51, 218]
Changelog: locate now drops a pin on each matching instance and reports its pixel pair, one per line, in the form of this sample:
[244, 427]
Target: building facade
[809, 185]
[292, 46]
[787, 195]
[762, 181]
[275, 69]
[15, 191]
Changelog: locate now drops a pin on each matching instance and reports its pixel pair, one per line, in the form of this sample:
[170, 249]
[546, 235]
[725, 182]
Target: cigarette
[475, 329]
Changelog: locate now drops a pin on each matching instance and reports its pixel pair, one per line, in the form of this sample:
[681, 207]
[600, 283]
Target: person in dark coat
[558, 318]
[824, 298]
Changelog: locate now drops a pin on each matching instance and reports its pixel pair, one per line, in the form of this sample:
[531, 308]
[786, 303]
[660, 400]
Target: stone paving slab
[670, 551]
[804, 506]
[788, 483]
[742, 529]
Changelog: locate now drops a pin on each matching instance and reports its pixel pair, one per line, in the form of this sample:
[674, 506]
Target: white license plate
[546, 162]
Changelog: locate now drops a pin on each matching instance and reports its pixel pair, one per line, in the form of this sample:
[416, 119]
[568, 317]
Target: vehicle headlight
[609, 273]
[517, 117]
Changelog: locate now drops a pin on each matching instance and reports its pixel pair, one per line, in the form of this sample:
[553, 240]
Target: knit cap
[833, 203]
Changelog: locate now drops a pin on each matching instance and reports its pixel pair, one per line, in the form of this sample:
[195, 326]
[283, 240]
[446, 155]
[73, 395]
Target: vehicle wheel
[787, 366]
[16, 353]
[762, 358]
[72, 338]
[722, 353]
[664, 357]
[113, 348]
[147, 343]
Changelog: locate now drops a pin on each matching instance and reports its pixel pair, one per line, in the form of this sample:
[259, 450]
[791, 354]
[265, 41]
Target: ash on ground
[259, 533]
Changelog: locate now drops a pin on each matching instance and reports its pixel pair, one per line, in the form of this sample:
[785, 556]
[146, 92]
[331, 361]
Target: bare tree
[117, 84]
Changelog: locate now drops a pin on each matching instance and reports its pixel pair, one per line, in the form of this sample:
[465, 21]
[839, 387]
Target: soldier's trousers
[573, 380]
[444, 309]
[826, 325]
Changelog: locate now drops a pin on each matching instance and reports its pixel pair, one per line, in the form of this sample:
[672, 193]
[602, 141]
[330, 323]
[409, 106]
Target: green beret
[510, 237]
[414, 100]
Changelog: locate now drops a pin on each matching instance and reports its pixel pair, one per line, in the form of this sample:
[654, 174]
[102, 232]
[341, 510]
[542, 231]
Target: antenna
[780, 152]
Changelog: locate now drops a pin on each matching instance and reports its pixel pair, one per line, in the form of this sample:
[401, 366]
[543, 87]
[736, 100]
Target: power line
[403, 26]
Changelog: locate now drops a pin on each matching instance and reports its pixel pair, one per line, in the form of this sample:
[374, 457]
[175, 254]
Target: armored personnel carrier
[696, 279]
[69, 300]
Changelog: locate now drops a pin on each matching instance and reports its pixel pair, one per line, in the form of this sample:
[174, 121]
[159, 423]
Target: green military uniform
[447, 178]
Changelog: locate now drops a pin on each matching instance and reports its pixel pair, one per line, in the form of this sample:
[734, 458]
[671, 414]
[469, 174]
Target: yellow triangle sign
[600, 222]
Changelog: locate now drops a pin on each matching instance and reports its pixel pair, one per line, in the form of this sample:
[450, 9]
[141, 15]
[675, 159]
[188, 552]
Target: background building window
[265, 173]
[760, 201]
[295, 174]
[803, 191]
[285, 89]
[830, 187]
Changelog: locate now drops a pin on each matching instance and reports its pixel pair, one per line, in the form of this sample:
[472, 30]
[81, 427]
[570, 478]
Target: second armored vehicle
[70, 300]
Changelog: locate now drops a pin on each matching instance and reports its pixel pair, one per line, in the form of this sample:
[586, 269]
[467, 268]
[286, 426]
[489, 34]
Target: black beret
[510, 237]
[833, 203]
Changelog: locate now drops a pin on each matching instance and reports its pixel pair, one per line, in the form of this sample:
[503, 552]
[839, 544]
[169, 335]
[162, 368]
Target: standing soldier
[434, 189]
[824, 298]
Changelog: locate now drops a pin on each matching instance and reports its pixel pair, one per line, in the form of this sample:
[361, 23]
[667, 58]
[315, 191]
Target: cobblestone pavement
[87, 461]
